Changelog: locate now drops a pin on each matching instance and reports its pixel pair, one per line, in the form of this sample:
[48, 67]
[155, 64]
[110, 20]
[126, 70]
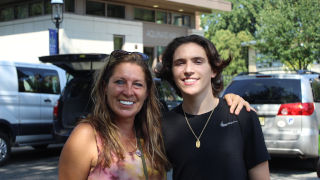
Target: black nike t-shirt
[227, 150]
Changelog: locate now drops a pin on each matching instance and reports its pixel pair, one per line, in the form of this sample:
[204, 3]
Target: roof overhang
[187, 6]
[206, 5]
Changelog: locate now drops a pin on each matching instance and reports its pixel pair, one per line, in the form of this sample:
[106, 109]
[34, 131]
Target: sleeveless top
[130, 168]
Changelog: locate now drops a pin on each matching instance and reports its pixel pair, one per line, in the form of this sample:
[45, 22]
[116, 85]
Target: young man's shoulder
[243, 113]
[172, 117]
[173, 112]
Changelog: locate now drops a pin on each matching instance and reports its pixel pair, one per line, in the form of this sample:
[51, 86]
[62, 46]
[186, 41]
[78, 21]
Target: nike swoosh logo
[222, 124]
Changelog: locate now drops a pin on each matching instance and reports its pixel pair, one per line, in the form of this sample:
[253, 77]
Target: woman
[124, 130]
[202, 139]
[106, 145]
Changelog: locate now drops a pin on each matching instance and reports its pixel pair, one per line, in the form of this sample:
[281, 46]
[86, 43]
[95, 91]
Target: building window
[7, 14]
[161, 17]
[35, 8]
[115, 11]
[47, 7]
[144, 14]
[118, 41]
[177, 19]
[21, 11]
[160, 50]
[186, 21]
[169, 18]
[149, 51]
[95, 8]
[69, 5]
[180, 20]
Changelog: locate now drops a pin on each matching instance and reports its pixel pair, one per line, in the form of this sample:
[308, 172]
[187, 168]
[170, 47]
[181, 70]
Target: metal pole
[57, 26]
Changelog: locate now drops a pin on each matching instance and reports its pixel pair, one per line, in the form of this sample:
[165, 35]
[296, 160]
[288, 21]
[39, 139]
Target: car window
[35, 80]
[28, 79]
[49, 82]
[80, 88]
[267, 91]
[316, 90]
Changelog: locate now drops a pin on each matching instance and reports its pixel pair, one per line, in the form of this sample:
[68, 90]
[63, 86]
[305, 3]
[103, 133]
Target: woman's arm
[260, 171]
[78, 154]
[236, 103]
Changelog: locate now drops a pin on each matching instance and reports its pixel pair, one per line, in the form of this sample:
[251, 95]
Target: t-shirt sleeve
[255, 151]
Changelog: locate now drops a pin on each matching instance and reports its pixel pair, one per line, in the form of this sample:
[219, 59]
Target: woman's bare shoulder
[79, 152]
[82, 135]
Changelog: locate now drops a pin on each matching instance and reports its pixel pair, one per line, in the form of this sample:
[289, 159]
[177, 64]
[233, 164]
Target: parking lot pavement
[29, 164]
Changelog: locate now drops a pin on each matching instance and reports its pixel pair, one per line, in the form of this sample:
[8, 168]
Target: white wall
[89, 34]
[27, 39]
[24, 40]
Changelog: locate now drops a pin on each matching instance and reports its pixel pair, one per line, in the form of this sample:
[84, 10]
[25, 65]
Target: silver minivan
[28, 93]
[288, 109]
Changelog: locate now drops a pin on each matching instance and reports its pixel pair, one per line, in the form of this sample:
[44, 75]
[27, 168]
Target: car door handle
[47, 100]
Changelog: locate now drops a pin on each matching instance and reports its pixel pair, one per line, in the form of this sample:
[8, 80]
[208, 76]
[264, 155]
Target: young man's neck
[199, 104]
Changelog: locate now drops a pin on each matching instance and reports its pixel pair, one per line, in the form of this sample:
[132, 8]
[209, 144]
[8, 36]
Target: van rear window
[267, 91]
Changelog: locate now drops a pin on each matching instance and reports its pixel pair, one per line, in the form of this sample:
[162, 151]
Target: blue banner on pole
[53, 42]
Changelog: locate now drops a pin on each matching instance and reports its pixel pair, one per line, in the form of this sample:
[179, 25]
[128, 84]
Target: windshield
[267, 91]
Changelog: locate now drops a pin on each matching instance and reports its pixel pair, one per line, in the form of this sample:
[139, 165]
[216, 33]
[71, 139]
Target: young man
[202, 139]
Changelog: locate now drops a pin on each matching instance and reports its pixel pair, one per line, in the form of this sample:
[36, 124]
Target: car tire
[312, 164]
[5, 148]
[318, 169]
[40, 147]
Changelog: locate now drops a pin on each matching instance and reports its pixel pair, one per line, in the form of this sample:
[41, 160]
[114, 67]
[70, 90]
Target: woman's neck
[126, 128]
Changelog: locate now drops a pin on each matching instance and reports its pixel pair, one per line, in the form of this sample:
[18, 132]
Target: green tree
[228, 43]
[241, 18]
[289, 31]
[227, 30]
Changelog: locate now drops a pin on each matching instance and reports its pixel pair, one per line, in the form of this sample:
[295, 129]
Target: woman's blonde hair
[147, 121]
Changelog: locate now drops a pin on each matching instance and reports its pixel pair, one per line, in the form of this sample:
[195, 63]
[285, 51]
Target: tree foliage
[289, 31]
[285, 30]
[241, 18]
[227, 30]
[228, 43]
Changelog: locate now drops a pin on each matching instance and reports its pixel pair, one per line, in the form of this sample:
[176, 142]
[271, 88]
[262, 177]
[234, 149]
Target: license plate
[261, 119]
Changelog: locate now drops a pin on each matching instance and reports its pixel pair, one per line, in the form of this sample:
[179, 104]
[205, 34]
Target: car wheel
[40, 147]
[318, 169]
[313, 164]
[5, 148]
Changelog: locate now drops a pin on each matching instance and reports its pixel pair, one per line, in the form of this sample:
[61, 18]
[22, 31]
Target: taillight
[55, 109]
[296, 109]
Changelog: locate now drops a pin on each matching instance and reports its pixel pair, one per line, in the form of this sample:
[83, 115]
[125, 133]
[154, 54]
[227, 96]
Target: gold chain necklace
[198, 138]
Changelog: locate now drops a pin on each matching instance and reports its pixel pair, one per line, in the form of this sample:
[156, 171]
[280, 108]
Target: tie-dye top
[130, 168]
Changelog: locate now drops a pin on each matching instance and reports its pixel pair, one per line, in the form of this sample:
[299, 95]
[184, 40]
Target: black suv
[75, 102]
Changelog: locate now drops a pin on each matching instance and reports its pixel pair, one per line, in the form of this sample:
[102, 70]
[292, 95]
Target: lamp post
[57, 16]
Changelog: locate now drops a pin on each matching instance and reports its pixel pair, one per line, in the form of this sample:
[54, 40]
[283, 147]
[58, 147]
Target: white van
[28, 93]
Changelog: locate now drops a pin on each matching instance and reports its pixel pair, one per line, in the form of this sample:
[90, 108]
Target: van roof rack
[279, 72]
[247, 73]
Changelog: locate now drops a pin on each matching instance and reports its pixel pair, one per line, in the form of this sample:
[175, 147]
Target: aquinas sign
[161, 35]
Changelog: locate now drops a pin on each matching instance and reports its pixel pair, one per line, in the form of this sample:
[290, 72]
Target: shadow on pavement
[28, 163]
